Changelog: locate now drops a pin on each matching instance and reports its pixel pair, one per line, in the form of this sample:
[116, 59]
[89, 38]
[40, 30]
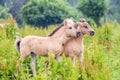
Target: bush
[4, 13]
[114, 10]
[10, 27]
[94, 9]
[44, 12]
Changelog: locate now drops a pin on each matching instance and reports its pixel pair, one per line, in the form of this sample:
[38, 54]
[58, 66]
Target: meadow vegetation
[101, 56]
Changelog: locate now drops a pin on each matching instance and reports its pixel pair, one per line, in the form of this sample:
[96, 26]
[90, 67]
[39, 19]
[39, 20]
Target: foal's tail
[17, 44]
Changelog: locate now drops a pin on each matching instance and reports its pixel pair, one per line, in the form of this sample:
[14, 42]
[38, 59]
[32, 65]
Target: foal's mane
[54, 31]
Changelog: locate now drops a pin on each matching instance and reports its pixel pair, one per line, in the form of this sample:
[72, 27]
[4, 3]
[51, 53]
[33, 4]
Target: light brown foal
[44, 46]
[75, 47]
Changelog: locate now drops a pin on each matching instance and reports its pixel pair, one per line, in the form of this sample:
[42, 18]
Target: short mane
[54, 31]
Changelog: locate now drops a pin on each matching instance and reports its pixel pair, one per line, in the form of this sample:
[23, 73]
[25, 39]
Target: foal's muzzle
[77, 34]
[92, 33]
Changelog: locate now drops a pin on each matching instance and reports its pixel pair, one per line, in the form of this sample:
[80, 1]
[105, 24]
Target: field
[101, 56]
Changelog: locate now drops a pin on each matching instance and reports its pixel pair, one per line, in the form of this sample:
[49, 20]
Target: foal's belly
[44, 47]
[40, 50]
[45, 50]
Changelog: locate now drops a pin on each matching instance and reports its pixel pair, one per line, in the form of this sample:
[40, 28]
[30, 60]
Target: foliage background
[111, 13]
[93, 9]
[44, 12]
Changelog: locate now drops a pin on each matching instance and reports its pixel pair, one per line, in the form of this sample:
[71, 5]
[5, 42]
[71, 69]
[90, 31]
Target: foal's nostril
[78, 34]
[92, 33]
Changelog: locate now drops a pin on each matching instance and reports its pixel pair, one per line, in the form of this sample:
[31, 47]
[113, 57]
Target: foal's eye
[70, 27]
[85, 26]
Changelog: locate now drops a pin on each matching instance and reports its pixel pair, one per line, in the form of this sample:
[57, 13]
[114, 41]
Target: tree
[45, 12]
[114, 10]
[14, 7]
[94, 9]
[2, 2]
[4, 13]
[73, 2]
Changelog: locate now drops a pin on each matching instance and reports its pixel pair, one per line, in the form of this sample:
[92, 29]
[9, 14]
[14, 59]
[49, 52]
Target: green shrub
[93, 9]
[10, 26]
[45, 12]
[4, 12]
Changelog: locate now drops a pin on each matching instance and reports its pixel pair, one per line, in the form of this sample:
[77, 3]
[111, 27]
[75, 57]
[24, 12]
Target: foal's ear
[76, 25]
[65, 22]
[82, 20]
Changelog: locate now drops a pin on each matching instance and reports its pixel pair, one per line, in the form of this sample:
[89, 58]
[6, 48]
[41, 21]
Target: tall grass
[101, 56]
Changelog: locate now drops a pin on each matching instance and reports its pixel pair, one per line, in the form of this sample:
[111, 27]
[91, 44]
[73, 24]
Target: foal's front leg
[58, 58]
[72, 56]
[81, 57]
[32, 63]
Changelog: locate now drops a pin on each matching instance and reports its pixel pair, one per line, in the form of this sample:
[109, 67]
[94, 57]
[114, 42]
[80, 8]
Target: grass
[101, 56]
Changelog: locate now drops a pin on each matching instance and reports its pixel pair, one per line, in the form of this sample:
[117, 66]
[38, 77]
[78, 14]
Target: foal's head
[84, 27]
[70, 30]
[68, 27]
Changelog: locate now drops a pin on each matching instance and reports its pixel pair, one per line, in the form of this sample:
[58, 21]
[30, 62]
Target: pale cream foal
[44, 46]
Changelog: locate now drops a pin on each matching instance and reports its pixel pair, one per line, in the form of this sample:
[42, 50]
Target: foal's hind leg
[21, 59]
[46, 65]
[58, 58]
[72, 56]
[32, 63]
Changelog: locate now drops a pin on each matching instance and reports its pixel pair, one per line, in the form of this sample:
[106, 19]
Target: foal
[44, 46]
[75, 47]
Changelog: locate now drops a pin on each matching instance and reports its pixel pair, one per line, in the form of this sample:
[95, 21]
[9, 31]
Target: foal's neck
[80, 38]
[61, 36]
